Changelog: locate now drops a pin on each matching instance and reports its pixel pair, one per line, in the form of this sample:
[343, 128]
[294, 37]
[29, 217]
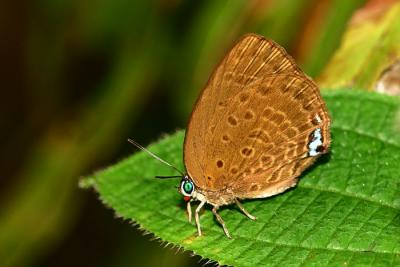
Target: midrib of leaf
[386, 142]
[350, 195]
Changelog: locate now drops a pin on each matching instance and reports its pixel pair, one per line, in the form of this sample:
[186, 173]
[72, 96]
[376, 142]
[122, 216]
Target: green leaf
[345, 210]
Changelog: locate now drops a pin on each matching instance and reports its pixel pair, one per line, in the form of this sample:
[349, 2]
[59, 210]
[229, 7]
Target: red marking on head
[186, 198]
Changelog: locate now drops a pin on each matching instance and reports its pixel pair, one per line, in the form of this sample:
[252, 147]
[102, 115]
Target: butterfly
[257, 125]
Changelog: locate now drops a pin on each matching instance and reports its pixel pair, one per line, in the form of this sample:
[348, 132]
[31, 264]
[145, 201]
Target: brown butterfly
[258, 123]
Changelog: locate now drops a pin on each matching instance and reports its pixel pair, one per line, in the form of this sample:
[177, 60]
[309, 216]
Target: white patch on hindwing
[315, 143]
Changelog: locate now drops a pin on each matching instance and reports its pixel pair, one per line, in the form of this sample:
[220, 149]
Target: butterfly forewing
[251, 128]
[252, 58]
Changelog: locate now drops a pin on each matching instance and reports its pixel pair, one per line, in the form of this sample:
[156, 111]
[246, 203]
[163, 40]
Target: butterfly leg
[196, 217]
[245, 211]
[219, 219]
[189, 211]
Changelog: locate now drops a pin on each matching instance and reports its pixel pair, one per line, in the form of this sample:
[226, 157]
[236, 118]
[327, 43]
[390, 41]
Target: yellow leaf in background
[369, 47]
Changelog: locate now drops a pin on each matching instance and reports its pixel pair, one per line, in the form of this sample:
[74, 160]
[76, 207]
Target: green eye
[187, 187]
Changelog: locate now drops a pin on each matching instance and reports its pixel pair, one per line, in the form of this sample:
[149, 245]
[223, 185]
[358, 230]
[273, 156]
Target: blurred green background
[80, 77]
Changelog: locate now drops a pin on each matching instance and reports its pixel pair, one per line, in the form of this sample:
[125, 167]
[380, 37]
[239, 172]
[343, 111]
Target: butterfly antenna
[168, 176]
[157, 158]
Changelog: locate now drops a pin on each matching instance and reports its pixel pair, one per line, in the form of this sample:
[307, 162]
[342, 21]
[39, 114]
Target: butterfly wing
[292, 129]
[243, 106]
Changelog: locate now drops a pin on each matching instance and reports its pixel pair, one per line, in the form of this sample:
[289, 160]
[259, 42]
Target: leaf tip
[87, 183]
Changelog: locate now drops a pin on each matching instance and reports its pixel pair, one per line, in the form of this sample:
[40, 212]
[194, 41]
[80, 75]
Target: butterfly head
[187, 188]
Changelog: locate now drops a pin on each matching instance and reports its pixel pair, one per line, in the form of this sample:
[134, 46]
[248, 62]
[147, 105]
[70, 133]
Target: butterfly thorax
[219, 197]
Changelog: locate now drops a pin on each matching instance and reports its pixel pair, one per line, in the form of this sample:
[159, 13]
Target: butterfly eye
[187, 187]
